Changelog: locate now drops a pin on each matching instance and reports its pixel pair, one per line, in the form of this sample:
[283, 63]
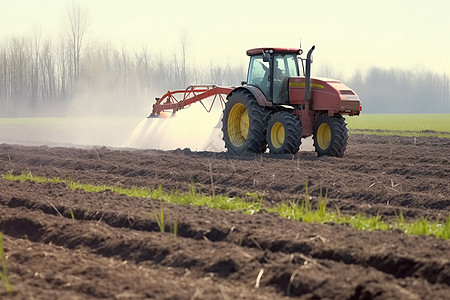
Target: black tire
[284, 133]
[244, 123]
[330, 135]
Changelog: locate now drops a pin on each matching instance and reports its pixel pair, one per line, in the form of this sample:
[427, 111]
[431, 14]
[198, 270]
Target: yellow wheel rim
[324, 136]
[277, 135]
[238, 125]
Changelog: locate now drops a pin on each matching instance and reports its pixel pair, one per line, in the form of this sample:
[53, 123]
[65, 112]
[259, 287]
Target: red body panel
[326, 95]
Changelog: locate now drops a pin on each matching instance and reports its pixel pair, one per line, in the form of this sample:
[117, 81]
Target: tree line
[41, 77]
[402, 91]
[36, 76]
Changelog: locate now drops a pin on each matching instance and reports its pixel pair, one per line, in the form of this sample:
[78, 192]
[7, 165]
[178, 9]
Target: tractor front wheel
[244, 123]
[330, 135]
[284, 133]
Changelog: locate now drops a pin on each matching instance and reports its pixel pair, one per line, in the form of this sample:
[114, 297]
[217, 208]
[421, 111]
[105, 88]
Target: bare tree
[48, 73]
[184, 47]
[143, 70]
[326, 70]
[75, 31]
[216, 73]
[62, 73]
[35, 66]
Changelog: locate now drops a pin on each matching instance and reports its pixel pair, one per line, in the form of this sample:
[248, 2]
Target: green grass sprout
[175, 227]
[4, 274]
[160, 220]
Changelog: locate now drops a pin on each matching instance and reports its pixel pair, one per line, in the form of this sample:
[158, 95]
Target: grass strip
[293, 210]
[247, 206]
[302, 212]
[422, 226]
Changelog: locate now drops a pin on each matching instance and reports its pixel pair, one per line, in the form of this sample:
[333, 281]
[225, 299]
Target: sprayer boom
[179, 99]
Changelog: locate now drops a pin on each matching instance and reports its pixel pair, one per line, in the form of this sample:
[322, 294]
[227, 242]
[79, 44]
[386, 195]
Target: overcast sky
[349, 35]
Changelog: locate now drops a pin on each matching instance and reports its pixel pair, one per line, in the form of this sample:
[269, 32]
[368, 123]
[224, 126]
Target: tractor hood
[326, 95]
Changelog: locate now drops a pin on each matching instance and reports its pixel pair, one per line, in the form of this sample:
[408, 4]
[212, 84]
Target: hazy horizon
[349, 36]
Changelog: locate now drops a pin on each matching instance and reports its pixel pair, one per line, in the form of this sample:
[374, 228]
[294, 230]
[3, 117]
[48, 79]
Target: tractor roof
[257, 51]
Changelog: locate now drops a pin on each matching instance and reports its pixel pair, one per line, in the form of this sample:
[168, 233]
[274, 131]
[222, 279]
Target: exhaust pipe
[308, 76]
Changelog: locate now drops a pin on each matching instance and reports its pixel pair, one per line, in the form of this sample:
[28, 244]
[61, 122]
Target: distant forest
[402, 91]
[39, 77]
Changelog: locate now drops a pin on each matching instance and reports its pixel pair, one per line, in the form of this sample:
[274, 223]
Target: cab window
[285, 66]
[259, 74]
[292, 65]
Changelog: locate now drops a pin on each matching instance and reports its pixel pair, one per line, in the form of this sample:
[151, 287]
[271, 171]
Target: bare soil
[113, 249]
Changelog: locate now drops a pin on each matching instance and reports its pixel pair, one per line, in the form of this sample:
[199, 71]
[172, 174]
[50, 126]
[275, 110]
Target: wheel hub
[277, 135]
[238, 125]
[324, 136]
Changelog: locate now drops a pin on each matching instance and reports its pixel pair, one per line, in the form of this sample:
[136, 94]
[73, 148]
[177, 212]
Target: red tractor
[276, 107]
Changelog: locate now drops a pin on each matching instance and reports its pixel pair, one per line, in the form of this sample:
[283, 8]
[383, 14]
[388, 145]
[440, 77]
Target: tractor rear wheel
[284, 133]
[330, 135]
[244, 123]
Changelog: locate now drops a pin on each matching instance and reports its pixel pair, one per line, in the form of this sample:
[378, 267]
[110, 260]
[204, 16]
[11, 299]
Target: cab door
[259, 75]
[285, 66]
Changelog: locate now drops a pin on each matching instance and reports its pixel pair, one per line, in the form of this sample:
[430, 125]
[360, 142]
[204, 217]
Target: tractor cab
[270, 69]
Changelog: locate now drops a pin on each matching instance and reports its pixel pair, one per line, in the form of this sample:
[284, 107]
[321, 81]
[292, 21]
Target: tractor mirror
[266, 57]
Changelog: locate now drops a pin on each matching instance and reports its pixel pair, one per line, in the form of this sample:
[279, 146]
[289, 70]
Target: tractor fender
[256, 92]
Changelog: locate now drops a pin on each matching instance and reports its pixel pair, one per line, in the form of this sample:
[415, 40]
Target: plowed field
[114, 249]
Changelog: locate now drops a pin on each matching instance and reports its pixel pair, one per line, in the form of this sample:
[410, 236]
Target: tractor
[276, 107]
